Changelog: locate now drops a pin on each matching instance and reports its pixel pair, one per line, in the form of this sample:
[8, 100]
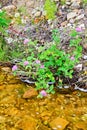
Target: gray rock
[75, 5]
[71, 15]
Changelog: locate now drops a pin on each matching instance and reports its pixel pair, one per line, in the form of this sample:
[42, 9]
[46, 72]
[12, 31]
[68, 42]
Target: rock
[26, 123]
[10, 9]
[71, 15]
[11, 79]
[81, 26]
[58, 124]
[81, 125]
[6, 69]
[85, 57]
[43, 127]
[69, 25]
[66, 87]
[63, 24]
[71, 21]
[30, 93]
[37, 13]
[85, 46]
[75, 5]
[2, 119]
[78, 67]
[80, 17]
[68, 3]
[29, 5]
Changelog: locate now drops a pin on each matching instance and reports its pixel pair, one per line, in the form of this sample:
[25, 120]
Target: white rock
[80, 17]
[85, 57]
[78, 67]
[66, 86]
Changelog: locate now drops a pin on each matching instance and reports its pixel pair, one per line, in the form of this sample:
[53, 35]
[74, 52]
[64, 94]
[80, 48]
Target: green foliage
[50, 61]
[4, 22]
[3, 49]
[85, 1]
[63, 2]
[22, 10]
[50, 8]
[2, 54]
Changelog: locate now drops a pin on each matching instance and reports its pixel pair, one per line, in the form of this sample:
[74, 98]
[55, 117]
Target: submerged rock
[27, 123]
[58, 124]
[30, 93]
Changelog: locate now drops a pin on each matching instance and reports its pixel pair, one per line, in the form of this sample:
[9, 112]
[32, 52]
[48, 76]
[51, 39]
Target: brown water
[54, 112]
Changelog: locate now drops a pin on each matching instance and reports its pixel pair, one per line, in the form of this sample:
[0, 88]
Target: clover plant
[47, 63]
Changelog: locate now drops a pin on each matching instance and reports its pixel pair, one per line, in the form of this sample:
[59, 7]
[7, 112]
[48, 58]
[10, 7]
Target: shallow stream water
[54, 112]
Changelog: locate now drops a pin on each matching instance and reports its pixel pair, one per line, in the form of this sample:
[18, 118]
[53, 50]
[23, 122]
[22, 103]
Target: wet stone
[6, 69]
[30, 93]
[2, 78]
[58, 124]
[27, 123]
